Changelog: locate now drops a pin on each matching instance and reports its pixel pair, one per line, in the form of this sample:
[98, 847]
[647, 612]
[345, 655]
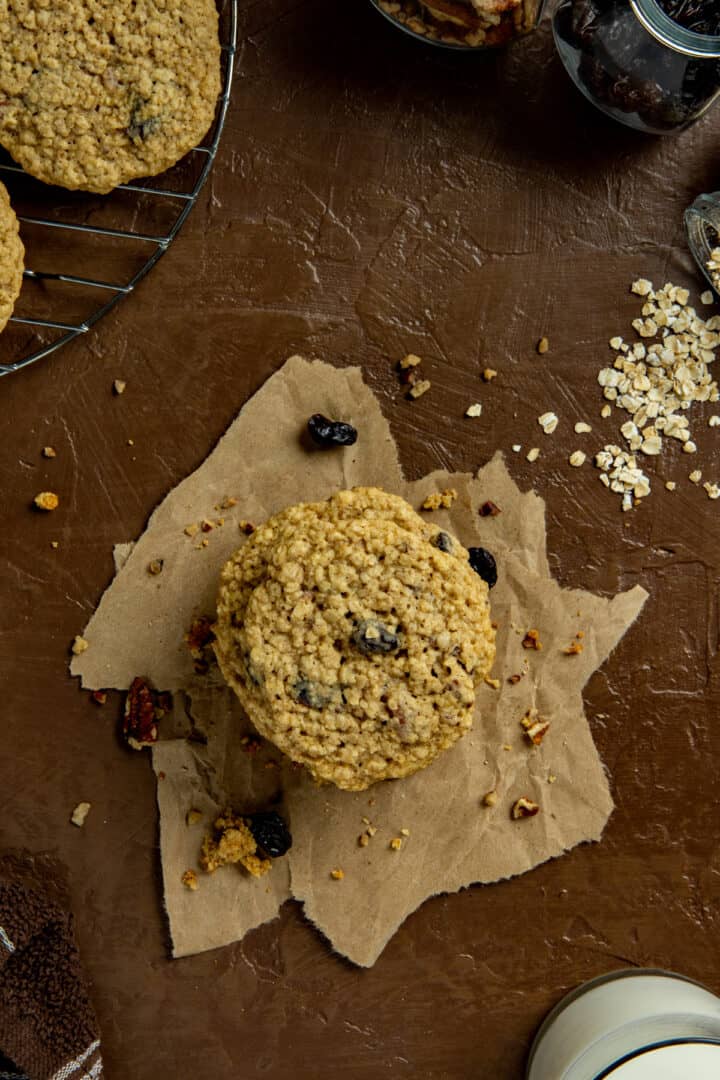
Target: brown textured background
[374, 196]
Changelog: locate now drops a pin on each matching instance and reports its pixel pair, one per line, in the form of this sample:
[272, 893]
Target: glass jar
[463, 24]
[637, 64]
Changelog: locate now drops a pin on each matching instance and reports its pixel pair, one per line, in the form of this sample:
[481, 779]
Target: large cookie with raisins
[12, 258]
[94, 93]
[355, 635]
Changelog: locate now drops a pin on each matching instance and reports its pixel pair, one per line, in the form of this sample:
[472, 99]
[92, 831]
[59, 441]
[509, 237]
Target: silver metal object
[641, 1023]
[702, 225]
[153, 245]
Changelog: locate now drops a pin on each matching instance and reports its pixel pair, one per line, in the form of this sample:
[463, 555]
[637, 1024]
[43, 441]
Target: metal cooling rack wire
[157, 245]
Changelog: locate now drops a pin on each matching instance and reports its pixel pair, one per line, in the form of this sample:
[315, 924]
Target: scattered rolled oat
[155, 567]
[474, 410]
[337, 874]
[548, 422]
[191, 530]
[490, 798]
[516, 448]
[440, 500]
[190, 880]
[396, 843]
[695, 476]
[532, 640]
[533, 455]
[713, 265]
[712, 490]
[46, 500]
[606, 411]
[419, 388]
[410, 361]
[489, 374]
[714, 421]
[79, 814]
[49, 451]
[621, 474]
[577, 458]
[707, 297]
[193, 816]
[689, 447]
[642, 287]
[581, 428]
[543, 345]
[79, 645]
[523, 808]
[616, 343]
[119, 386]
[670, 485]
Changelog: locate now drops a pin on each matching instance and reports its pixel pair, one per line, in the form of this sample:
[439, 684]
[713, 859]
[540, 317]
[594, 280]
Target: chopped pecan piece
[532, 640]
[140, 719]
[523, 808]
[99, 697]
[534, 726]
[489, 509]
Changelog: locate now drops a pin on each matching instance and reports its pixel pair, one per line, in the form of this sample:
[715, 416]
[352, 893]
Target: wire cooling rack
[66, 232]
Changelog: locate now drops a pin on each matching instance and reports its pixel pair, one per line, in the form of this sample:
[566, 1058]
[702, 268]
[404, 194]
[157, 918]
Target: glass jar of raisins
[651, 64]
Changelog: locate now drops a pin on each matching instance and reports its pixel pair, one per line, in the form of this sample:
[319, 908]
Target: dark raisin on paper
[483, 563]
[327, 433]
[270, 833]
[373, 637]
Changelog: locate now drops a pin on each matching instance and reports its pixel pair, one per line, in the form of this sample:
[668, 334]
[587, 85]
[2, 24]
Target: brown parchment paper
[202, 761]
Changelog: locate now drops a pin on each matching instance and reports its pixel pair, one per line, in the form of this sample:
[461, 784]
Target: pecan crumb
[119, 386]
[49, 451]
[514, 679]
[490, 798]
[190, 880]
[532, 640]
[419, 389]
[523, 808]
[489, 509]
[573, 648]
[206, 525]
[155, 567]
[79, 814]
[46, 500]
[99, 697]
[79, 645]
[440, 500]
[200, 635]
[534, 726]
[140, 719]
[337, 874]
[193, 816]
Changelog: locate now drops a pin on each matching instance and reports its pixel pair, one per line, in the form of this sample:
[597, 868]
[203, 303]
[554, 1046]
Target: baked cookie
[94, 93]
[12, 258]
[355, 634]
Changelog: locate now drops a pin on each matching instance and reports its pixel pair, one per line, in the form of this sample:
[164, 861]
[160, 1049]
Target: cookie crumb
[409, 361]
[489, 374]
[49, 451]
[474, 410]
[155, 567]
[79, 645]
[440, 500]
[119, 386]
[573, 648]
[337, 874]
[532, 640]
[489, 509]
[363, 840]
[193, 817]
[490, 798]
[371, 830]
[494, 683]
[533, 455]
[396, 843]
[226, 503]
[191, 530]
[190, 880]
[670, 485]
[79, 814]
[46, 500]
[534, 726]
[552, 778]
[523, 808]
[543, 345]
[246, 527]
[55, 544]
[404, 832]
[131, 442]
[419, 389]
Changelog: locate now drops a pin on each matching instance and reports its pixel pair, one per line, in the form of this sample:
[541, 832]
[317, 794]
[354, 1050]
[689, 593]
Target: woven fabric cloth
[48, 1029]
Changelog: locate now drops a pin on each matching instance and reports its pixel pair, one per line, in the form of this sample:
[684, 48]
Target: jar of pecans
[463, 24]
[651, 64]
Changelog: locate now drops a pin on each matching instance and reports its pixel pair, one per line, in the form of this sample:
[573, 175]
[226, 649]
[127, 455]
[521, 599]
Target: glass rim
[676, 37]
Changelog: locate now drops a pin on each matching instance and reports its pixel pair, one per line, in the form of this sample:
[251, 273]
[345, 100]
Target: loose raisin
[483, 563]
[443, 541]
[371, 637]
[327, 433]
[270, 833]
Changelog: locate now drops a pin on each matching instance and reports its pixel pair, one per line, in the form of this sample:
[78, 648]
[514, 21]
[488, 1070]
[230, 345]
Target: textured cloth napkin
[48, 1029]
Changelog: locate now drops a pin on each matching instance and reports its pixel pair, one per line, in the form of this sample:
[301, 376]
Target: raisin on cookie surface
[12, 258]
[354, 640]
[94, 93]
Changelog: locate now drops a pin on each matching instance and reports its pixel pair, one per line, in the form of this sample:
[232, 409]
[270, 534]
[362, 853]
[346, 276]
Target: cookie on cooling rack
[95, 94]
[12, 258]
[355, 635]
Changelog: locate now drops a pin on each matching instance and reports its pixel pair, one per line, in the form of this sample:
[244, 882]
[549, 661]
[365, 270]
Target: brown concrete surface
[374, 196]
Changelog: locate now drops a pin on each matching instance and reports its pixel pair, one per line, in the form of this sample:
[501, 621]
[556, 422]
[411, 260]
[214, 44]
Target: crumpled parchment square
[203, 761]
